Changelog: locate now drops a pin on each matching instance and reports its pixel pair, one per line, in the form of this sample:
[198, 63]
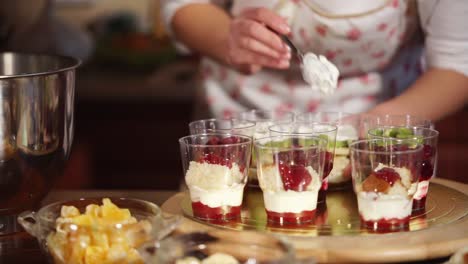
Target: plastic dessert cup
[225, 126]
[385, 177]
[348, 131]
[371, 121]
[290, 169]
[215, 168]
[428, 138]
[323, 130]
[262, 119]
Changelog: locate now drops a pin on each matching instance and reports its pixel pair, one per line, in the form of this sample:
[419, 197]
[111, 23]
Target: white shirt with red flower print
[376, 45]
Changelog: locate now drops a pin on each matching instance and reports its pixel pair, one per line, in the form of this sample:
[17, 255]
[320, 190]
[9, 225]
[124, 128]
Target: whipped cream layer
[277, 199]
[215, 185]
[319, 73]
[373, 206]
[396, 202]
[290, 201]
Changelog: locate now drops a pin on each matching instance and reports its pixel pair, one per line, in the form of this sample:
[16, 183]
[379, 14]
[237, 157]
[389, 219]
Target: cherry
[213, 141]
[223, 155]
[212, 158]
[295, 177]
[427, 151]
[388, 174]
[427, 170]
[294, 156]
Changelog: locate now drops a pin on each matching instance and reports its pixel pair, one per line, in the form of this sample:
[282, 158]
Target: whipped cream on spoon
[317, 71]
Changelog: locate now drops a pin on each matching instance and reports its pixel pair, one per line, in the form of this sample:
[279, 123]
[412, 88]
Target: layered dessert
[427, 166]
[290, 191]
[216, 187]
[340, 175]
[385, 198]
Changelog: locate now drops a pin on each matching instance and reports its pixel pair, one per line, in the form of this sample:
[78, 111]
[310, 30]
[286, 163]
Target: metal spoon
[293, 47]
[290, 44]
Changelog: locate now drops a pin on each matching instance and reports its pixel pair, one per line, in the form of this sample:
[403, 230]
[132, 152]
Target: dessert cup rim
[249, 124]
[328, 128]
[432, 132]
[289, 136]
[183, 140]
[353, 147]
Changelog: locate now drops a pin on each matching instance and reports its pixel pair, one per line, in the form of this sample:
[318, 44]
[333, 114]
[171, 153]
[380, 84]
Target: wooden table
[31, 253]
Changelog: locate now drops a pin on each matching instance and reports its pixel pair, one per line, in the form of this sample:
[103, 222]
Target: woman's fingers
[240, 55]
[252, 43]
[268, 18]
[259, 32]
[259, 47]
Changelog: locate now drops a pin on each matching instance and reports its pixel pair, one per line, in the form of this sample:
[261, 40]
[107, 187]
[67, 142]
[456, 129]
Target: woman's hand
[251, 45]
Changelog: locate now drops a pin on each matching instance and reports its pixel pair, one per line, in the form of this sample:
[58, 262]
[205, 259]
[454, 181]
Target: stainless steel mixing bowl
[36, 128]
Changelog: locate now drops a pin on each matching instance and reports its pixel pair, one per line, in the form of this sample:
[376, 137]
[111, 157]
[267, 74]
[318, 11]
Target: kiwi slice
[342, 144]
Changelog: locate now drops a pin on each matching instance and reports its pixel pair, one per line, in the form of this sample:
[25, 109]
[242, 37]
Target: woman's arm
[240, 41]
[436, 94]
[443, 89]
[203, 28]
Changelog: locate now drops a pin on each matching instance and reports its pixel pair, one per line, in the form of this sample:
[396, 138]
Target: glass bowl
[221, 247]
[97, 230]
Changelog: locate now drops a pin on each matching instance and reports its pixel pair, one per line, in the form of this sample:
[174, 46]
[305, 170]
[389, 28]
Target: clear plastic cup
[428, 138]
[348, 132]
[290, 172]
[227, 126]
[215, 168]
[323, 130]
[385, 178]
[262, 119]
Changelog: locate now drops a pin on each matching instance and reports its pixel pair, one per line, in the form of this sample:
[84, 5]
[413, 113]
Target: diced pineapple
[94, 210]
[112, 213]
[134, 257]
[100, 239]
[95, 255]
[83, 220]
[117, 253]
[92, 237]
[69, 211]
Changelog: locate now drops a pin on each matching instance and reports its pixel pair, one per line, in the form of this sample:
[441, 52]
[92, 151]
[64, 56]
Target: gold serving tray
[336, 234]
[339, 215]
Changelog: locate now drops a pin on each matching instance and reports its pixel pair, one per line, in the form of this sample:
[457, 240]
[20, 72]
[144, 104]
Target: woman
[394, 56]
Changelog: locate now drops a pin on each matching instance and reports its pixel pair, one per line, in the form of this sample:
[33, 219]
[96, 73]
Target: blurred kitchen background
[134, 94]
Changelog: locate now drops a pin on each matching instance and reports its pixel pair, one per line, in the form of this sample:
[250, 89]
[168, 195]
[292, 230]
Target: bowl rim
[71, 63]
[229, 237]
[43, 218]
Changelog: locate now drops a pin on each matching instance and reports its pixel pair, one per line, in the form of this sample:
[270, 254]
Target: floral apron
[378, 53]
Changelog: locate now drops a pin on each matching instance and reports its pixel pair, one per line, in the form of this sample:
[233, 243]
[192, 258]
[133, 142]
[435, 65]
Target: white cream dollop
[319, 73]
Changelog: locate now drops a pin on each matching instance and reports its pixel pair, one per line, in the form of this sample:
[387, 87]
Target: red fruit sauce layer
[291, 218]
[386, 224]
[215, 213]
[419, 205]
